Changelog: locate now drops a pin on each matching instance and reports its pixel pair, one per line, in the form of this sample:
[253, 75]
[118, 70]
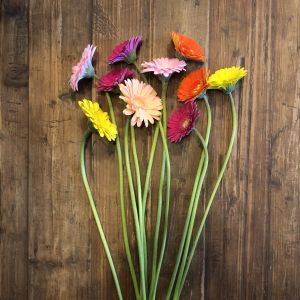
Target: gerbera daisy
[193, 85]
[226, 79]
[99, 119]
[142, 102]
[126, 51]
[113, 78]
[84, 69]
[182, 121]
[187, 47]
[164, 66]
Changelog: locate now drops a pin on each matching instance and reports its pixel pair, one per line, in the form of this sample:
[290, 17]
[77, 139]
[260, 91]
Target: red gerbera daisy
[193, 85]
[182, 121]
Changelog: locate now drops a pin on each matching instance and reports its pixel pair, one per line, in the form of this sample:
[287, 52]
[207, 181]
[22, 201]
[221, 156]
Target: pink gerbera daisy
[126, 51]
[84, 69]
[182, 121]
[111, 79]
[142, 102]
[164, 66]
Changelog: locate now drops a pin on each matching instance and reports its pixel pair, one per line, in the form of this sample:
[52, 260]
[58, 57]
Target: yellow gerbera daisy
[99, 119]
[225, 79]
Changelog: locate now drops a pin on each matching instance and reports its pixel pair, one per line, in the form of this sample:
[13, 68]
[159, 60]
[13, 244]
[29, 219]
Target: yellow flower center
[185, 123]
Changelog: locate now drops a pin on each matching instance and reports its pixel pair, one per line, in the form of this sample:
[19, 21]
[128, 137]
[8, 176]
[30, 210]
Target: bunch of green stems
[144, 287]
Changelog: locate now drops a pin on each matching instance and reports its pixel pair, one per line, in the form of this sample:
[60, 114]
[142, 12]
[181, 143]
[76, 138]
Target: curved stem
[160, 197]
[135, 214]
[140, 72]
[167, 205]
[193, 216]
[84, 141]
[216, 186]
[187, 221]
[122, 202]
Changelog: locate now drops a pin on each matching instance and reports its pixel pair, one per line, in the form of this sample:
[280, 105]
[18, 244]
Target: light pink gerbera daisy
[142, 102]
[84, 69]
[164, 66]
[182, 121]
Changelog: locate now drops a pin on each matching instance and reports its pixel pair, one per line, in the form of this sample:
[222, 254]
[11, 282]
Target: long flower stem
[211, 198]
[193, 216]
[135, 214]
[140, 72]
[167, 206]
[122, 202]
[187, 221]
[84, 141]
[140, 204]
[154, 272]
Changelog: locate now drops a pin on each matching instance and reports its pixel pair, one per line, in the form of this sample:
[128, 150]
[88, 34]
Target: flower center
[185, 123]
[139, 102]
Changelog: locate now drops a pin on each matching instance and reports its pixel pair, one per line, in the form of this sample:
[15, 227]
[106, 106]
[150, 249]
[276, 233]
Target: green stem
[122, 202]
[140, 204]
[84, 141]
[160, 197]
[216, 186]
[135, 213]
[140, 72]
[167, 206]
[187, 221]
[193, 216]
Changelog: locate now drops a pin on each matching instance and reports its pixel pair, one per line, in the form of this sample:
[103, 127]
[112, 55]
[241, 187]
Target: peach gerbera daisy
[187, 47]
[142, 102]
[193, 85]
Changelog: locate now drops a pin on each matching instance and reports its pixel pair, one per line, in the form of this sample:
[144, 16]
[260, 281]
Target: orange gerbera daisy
[193, 85]
[187, 47]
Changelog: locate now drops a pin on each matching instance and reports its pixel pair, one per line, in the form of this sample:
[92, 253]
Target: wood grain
[49, 245]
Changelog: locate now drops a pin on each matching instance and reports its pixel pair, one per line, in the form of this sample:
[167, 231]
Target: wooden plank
[59, 232]
[236, 233]
[283, 167]
[246, 249]
[13, 148]
[190, 18]
[114, 22]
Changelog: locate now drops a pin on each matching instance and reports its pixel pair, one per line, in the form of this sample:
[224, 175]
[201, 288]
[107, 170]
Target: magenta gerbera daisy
[164, 66]
[84, 69]
[113, 78]
[182, 121]
[126, 51]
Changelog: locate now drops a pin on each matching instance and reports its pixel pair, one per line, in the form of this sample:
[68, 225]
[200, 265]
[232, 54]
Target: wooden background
[49, 244]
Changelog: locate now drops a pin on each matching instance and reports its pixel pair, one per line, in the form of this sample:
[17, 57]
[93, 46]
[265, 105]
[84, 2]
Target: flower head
[193, 85]
[226, 79]
[182, 121]
[113, 78]
[99, 119]
[142, 102]
[126, 51]
[187, 47]
[164, 66]
[84, 69]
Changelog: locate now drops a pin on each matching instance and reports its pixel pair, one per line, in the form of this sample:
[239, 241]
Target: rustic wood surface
[49, 245]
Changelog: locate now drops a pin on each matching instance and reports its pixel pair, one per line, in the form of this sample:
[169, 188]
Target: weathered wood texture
[49, 245]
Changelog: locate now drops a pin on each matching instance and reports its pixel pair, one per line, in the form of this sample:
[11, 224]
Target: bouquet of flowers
[143, 107]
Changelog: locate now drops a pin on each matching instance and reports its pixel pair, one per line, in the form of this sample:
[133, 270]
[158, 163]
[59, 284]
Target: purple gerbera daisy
[126, 51]
[113, 78]
[182, 121]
